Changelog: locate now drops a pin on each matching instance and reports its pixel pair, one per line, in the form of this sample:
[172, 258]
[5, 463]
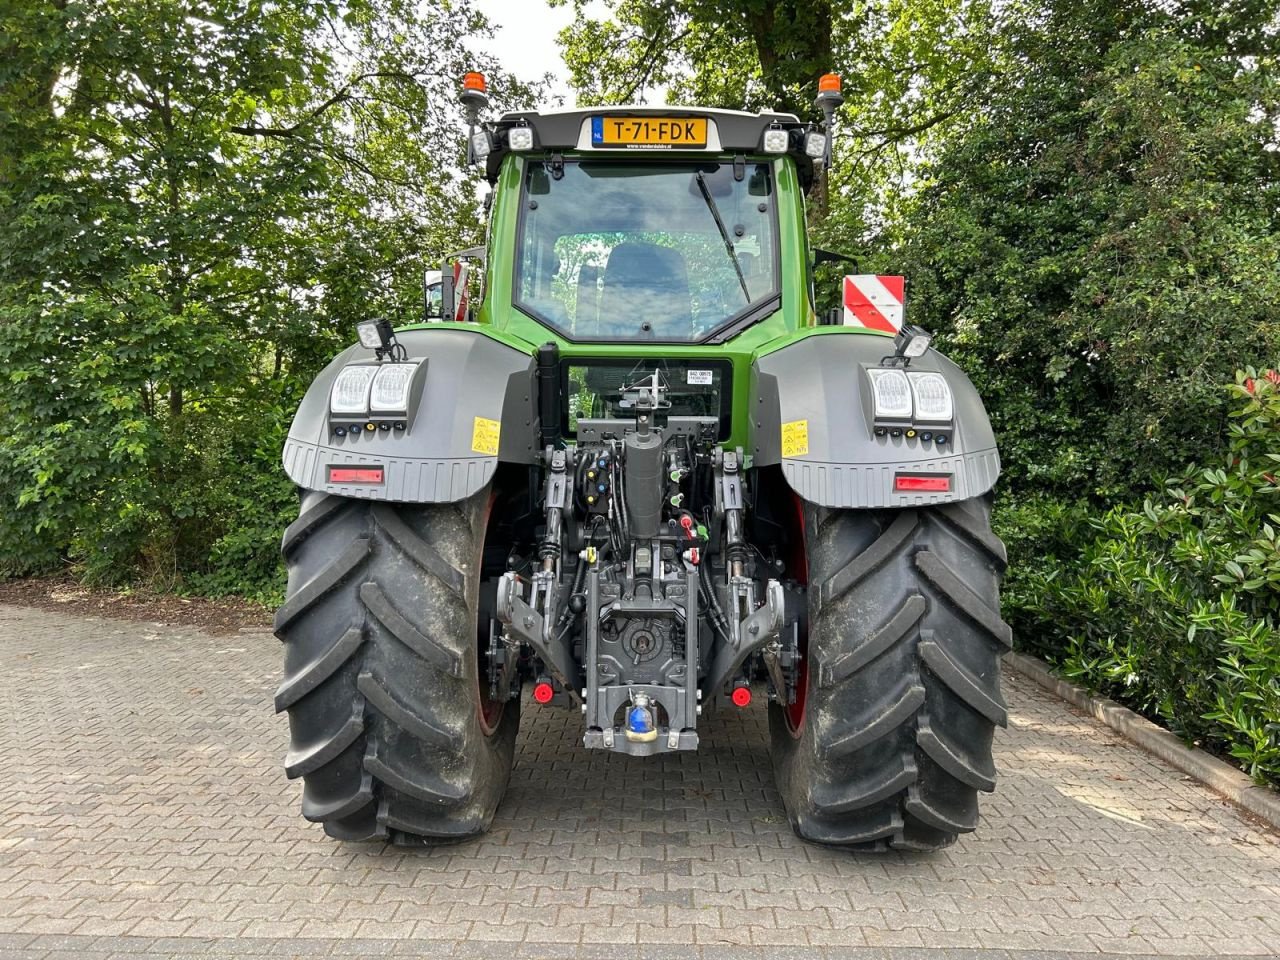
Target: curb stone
[1215, 774]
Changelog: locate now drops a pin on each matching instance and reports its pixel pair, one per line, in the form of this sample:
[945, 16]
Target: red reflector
[933, 483]
[543, 692]
[742, 697]
[355, 474]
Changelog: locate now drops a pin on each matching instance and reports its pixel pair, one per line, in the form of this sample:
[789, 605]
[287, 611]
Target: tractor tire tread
[381, 682]
[315, 589]
[398, 625]
[870, 560]
[905, 638]
[984, 698]
[898, 626]
[308, 678]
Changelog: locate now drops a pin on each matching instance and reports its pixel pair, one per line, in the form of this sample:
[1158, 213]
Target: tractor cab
[645, 224]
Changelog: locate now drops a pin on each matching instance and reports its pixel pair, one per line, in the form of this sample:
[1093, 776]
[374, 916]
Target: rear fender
[812, 414]
[473, 386]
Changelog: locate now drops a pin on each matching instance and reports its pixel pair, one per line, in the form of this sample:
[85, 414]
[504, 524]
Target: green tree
[909, 67]
[1098, 240]
[198, 198]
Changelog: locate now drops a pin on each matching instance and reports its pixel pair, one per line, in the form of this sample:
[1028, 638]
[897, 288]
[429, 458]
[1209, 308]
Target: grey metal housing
[558, 131]
[468, 375]
[821, 379]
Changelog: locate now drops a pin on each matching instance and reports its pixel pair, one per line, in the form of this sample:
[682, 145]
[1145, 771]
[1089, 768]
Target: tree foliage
[1100, 242]
[909, 67]
[1175, 604]
[196, 196]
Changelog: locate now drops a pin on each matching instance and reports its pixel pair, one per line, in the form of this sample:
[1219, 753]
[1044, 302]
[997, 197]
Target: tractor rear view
[643, 480]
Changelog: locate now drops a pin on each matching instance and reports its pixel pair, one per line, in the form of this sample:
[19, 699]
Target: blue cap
[639, 720]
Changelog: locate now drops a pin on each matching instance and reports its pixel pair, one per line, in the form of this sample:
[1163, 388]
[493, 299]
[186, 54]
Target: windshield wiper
[724, 234]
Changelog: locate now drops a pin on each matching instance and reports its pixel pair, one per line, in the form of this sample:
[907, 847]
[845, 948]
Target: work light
[391, 386]
[369, 334]
[912, 342]
[520, 138]
[932, 397]
[350, 393]
[776, 140]
[892, 393]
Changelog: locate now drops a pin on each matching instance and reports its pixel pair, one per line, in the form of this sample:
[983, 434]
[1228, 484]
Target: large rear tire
[889, 741]
[390, 726]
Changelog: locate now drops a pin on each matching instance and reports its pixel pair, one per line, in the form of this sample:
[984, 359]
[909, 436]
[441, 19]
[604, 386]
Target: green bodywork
[498, 317]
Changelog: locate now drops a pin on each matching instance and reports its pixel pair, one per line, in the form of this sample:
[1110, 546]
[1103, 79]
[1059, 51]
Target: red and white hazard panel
[461, 273]
[875, 302]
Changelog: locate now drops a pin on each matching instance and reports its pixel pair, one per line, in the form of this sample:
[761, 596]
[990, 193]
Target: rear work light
[922, 483]
[520, 138]
[350, 393]
[932, 396]
[891, 392]
[391, 387]
[355, 474]
[776, 140]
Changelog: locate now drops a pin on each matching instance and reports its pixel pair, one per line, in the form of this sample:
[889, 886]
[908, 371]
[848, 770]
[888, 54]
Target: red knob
[543, 692]
[742, 696]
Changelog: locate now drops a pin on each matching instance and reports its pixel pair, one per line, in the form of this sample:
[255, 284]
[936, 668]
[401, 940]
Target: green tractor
[639, 478]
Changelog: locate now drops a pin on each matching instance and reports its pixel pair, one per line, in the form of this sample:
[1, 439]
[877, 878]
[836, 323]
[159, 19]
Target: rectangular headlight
[815, 145]
[391, 388]
[892, 393]
[932, 396]
[776, 140]
[350, 393]
[520, 138]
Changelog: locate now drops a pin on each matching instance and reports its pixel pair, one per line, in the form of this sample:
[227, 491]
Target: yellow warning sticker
[484, 436]
[795, 438]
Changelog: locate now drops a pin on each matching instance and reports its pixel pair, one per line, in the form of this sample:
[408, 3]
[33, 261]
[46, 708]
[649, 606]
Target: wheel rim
[795, 712]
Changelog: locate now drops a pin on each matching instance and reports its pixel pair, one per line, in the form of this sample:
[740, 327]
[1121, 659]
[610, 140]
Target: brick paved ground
[143, 810]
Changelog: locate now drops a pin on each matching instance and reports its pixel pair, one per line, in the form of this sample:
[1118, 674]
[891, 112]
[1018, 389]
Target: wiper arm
[724, 234]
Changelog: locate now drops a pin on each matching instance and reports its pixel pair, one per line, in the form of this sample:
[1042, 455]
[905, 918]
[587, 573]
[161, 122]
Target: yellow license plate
[649, 132]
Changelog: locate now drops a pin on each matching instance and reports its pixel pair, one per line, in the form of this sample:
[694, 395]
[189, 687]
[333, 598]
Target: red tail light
[355, 474]
[922, 483]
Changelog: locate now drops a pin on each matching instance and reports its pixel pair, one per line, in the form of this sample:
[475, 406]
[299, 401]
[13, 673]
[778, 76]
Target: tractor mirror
[454, 298]
[432, 295]
[448, 292]
[827, 256]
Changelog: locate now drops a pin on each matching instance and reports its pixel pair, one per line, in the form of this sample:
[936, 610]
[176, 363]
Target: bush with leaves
[1175, 607]
[198, 200]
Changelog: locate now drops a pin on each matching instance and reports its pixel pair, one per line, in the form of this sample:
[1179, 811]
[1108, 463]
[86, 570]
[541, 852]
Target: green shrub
[1175, 607]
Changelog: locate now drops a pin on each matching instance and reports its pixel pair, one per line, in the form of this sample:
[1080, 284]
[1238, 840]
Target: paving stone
[140, 818]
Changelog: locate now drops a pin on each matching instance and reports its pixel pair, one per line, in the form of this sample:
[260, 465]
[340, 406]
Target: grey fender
[816, 394]
[439, 457]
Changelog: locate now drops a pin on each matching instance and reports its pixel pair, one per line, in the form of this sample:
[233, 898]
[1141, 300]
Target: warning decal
[484, 436]
[795, 438]
[874, 301]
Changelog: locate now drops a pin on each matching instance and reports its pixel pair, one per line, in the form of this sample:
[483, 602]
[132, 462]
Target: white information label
[700, 377]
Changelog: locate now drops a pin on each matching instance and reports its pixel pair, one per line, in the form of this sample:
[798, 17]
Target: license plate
[649, 132]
